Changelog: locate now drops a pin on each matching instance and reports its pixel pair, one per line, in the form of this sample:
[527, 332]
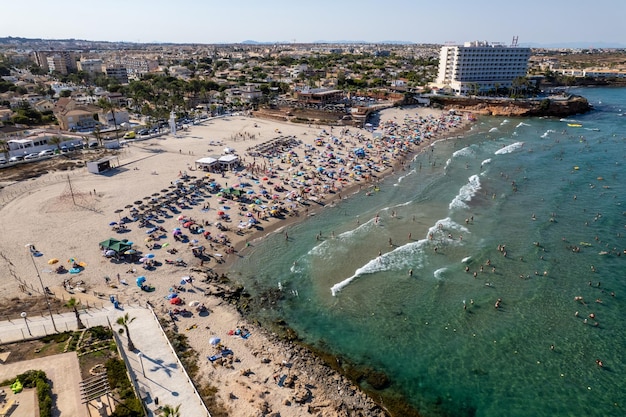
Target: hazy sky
[209, 21]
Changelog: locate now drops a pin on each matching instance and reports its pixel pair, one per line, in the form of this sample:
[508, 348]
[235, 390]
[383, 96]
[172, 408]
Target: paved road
[154, 366]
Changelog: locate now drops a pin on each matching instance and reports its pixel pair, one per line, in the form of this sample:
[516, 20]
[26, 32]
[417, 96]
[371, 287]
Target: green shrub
[130, 407]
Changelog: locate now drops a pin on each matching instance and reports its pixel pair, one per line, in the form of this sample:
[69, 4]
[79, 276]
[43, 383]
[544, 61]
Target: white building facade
[480, 66]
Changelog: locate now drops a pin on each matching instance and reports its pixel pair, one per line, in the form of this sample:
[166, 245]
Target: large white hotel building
[480, 66]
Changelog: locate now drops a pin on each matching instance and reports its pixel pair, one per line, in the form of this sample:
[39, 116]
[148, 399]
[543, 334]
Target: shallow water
[517, 180]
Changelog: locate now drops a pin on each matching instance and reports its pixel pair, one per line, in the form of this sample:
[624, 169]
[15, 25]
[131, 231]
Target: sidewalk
[155, 368]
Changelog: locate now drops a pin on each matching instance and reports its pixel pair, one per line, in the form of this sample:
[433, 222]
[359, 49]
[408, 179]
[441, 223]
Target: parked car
[16, 158]
[47, 152]
[31, 156]
[3, 161]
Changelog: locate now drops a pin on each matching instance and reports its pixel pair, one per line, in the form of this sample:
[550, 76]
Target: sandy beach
[169, 209]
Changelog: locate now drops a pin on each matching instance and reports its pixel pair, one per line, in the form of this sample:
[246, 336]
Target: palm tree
[107, 106]
[125, 321]
[72, 303]
[4, 148]
[169, 411]
[97, 134]
[56, 140]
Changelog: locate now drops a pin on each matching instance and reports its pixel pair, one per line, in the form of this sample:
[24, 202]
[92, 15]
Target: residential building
[44, 105]
[118, 72]
[90, 66]
[74, 116]
[56, 63]
[480, 66]
[69, 59]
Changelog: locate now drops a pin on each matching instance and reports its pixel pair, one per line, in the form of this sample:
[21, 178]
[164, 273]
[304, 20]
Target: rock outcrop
[554, 106]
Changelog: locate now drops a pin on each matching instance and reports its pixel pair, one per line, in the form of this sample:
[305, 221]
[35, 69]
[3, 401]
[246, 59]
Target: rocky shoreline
[347, 389]
[554, 106]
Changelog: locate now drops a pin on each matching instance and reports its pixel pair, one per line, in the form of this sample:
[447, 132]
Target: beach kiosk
[100, 165]
[228, 162]
[207, 163]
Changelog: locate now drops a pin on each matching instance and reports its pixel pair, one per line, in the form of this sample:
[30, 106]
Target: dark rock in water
[378, 380]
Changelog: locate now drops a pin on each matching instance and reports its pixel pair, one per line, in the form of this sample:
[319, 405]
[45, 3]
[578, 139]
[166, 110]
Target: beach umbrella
[150, 256]
[53, 261]
[165, 245]
[140, 280]
[112, 223]
[137, 202]
[220, 213]
[28, 245]
[127, 206]
[110, 252]
[214, 340]
[171, 295]
[143, 259]
[181, 217]
[176, 232]
[175, 300]
[118, 211]
[130, 252]
[194, 303]
[183, 282]
[155, 194]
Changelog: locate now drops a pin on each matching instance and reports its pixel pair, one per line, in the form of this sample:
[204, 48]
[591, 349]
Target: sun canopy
[115, 245]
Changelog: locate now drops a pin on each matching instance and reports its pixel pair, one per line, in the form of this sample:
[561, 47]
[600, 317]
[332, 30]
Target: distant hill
[577, 45]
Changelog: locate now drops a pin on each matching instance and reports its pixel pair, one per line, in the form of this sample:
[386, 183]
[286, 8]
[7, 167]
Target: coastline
[334, 198]
[143, 170]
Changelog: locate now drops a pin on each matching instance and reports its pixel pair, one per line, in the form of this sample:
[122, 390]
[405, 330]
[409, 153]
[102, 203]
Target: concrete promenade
[154, 368]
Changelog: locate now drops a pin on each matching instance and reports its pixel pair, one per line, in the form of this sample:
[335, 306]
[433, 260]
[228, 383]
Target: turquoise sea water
[517, 179]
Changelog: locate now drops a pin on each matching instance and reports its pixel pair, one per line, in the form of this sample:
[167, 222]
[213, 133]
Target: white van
[47, 152]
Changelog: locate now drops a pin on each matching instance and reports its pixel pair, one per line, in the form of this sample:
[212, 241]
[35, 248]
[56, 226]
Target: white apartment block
[480, 66]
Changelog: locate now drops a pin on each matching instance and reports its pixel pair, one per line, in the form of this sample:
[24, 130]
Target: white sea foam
[510, 148]
[401, 258]
[466, 193]
[402, 177]
[467, 151]
[466, 259]
[505, 121]
[547, 132]
[520, 124]
[438, 274]
[409, 255]
[493, 129]
[485, 162]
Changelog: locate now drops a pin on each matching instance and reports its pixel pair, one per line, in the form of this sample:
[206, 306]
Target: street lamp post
[45, 293]
[143, 371]
[23, 315]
